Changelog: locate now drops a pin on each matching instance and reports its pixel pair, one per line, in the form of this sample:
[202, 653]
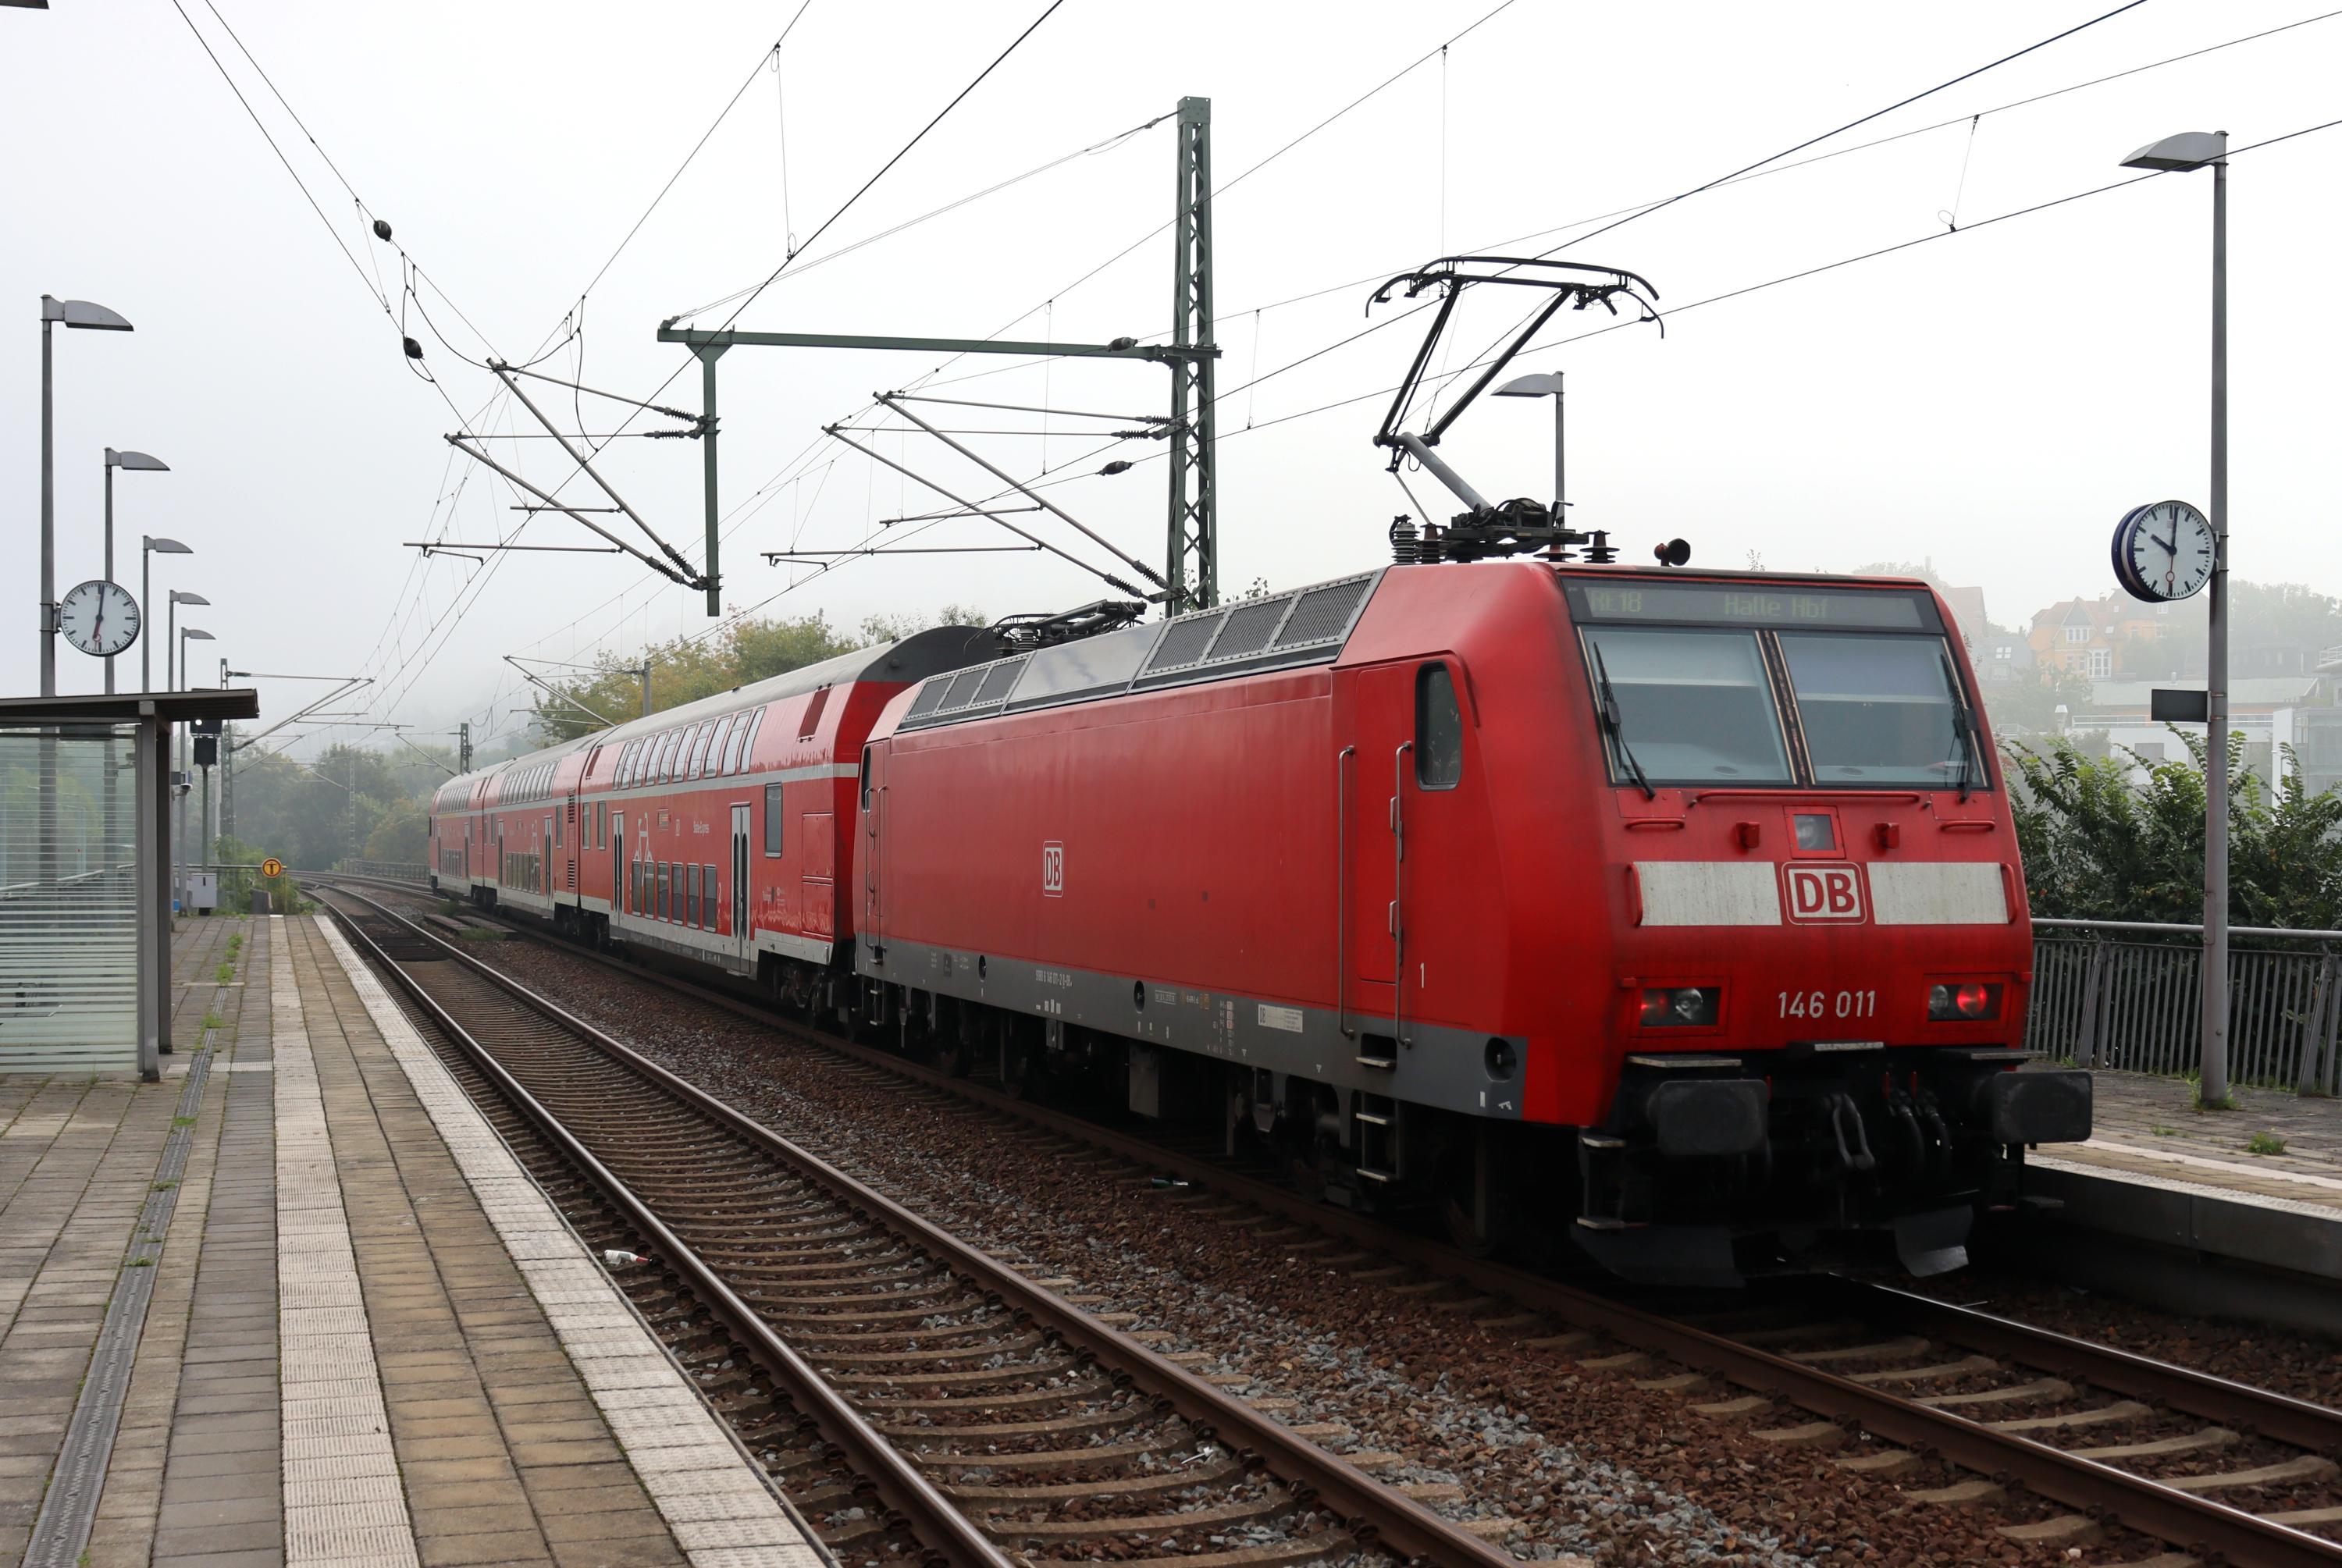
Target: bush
[2102, 841]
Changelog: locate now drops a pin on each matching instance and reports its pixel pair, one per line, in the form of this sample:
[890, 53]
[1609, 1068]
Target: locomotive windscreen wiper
[1963, 725]
[1610, 722]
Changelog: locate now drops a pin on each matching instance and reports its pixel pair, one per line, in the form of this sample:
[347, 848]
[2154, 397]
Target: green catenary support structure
[1192, 558]
[1192, 551]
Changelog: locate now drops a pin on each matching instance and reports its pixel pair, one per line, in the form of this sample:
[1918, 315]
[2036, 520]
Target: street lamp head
[198, 634]
[82, 313]
[163, 546]
[179, 598]
[1544, 385]
[138, 462]
[2187, 150]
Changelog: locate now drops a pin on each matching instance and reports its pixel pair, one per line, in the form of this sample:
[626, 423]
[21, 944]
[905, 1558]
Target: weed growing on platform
[2264, 1144]
[213, 1021]
[227, 973]
[165, 1186]
[183, 1120]
[2162, 1132]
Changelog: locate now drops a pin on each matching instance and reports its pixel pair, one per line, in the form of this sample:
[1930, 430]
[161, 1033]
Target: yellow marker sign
[272, 868]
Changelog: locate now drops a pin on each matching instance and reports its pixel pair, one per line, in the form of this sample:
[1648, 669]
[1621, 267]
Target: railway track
[989, 1418]
[2215, 1469]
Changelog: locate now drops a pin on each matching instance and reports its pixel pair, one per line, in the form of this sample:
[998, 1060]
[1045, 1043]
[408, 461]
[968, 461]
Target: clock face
[2164, 552]
[100, 618]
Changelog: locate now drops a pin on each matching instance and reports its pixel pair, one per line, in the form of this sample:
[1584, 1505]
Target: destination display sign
[1786, 605]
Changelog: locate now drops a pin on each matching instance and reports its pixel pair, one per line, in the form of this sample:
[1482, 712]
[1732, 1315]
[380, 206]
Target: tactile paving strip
[712, 1497]
[336, 1428]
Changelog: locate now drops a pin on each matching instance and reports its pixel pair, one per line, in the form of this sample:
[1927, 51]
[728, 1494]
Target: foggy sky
[1992, 402]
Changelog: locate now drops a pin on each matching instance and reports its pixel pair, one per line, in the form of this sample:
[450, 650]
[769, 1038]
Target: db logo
[1053, 870]
[1823, 892]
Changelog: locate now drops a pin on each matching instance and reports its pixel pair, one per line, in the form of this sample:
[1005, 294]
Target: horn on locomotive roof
[1517, 526]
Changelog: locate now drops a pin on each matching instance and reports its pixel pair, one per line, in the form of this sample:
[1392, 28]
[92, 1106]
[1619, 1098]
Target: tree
[2100, 842]
[687, 669]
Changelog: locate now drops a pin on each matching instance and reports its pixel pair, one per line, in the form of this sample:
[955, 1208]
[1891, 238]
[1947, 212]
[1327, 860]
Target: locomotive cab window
[774, 818]
[1881, 710]
[1684, 705]
[1438, 730]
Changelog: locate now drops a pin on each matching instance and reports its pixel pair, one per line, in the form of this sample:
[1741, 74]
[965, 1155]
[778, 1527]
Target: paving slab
[339, 1359]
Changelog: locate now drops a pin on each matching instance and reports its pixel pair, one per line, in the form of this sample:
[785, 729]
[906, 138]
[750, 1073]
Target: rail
[2088, 1485]
[2106, 994]
[1373, 1510]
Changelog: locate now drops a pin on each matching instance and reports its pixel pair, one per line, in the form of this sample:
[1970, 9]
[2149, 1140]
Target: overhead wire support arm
[1033, 408]
[431, 546]
[542, 684]
[585, 463]
[777, 556]
[836, 434]
[888, 399]
[692, 419]
[664, 569]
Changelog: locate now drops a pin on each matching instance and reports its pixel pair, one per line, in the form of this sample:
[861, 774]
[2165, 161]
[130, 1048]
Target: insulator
[1404, 535]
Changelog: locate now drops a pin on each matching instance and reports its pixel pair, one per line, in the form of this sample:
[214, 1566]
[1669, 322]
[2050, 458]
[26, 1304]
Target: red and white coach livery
[718, 832]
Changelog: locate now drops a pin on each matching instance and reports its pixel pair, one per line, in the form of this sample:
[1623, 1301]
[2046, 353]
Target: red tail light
[1963, 1001]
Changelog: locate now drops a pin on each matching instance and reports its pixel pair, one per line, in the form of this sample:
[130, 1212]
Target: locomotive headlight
[1680, 1006]
[1963, 1001]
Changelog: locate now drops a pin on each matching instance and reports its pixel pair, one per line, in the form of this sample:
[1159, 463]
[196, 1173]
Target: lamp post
[148, 548]
[137, 462]
[1545, 386]
[77, 313]
[179, 837]
[175, 653]
[2187, 151]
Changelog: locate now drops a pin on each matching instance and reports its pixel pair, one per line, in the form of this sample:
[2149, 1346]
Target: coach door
[617, 861]
[874, 812]
[1373, 735]
[743, 939]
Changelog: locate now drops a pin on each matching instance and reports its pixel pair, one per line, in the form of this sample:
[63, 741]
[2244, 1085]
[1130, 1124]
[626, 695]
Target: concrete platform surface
[296, 1304]
[2261, 1184]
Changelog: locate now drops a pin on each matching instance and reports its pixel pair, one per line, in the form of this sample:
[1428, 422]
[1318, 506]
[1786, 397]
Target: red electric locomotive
[1683, 908]
[1680, 911]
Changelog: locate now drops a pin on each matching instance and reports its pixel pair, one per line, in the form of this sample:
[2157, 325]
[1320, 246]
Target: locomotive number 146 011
[1829, 1003]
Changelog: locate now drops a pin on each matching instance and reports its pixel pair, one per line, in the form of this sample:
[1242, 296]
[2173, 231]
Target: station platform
[2260, 1184]
[297, 1303]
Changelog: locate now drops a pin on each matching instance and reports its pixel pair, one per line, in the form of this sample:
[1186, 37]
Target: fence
[389, 870]
[2127, 995]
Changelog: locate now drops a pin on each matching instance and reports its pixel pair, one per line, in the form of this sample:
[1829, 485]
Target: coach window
[668, 743]
[699, 750]
[1438, 730]
[712, 905]
[724, 729]
[774, 817]
[736, 744]
[691, 895]
[559, 826]
[756, 728]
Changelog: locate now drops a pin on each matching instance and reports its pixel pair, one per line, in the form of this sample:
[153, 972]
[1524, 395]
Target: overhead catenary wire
[1358, 281]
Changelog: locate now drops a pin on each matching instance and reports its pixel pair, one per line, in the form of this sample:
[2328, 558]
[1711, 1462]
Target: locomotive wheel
[1017, 1070]
[949, 1053]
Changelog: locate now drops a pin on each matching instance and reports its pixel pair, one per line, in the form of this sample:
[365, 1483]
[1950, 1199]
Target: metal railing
[2126, 995]
[389, 870]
